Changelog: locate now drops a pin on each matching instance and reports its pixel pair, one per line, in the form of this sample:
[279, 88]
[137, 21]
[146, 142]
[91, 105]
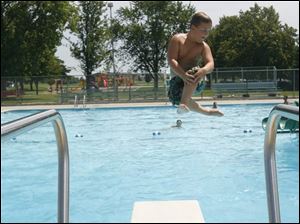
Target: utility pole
[115, 84]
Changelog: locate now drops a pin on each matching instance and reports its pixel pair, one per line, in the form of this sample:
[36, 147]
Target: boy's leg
[187, 93]
[194, 106]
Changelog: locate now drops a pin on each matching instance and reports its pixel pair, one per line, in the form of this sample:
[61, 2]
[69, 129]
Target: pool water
[116, 160]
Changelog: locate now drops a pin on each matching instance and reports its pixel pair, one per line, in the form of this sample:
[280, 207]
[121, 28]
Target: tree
[92, 33]
[145, 29]
[30, 33]
[254, 38]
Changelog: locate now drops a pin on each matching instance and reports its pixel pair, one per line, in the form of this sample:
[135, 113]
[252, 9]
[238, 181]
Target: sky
[288, 13]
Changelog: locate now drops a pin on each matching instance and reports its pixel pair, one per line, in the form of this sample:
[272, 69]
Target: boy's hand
[188, 78]
[200, 74]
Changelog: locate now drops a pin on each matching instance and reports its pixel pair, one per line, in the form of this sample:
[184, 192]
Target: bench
[244, 87]
[262, 86]
[228, 87]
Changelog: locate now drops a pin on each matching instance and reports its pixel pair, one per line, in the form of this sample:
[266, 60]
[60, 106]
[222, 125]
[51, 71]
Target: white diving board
[186, 211]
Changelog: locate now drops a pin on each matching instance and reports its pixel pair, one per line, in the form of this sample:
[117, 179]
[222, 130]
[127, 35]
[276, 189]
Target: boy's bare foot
[182, 109]
[217, 113]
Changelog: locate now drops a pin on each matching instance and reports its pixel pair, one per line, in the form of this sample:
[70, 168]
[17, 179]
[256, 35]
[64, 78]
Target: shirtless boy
[185, 52]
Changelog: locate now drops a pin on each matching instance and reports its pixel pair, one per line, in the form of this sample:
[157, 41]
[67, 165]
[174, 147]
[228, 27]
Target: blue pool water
[118, 161]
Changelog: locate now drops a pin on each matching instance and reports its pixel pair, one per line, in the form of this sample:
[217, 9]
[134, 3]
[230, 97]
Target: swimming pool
[118, 161]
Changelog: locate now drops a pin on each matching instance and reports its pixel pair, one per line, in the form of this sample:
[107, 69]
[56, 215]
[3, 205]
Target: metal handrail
[84, 101]
[281, 110]
[22, 125]
[75, 101]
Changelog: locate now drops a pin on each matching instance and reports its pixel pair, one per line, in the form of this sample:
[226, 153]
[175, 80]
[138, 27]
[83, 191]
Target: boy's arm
[173, 52]
[209, 63]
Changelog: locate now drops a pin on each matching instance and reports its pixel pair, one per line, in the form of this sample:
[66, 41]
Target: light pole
[110, 5]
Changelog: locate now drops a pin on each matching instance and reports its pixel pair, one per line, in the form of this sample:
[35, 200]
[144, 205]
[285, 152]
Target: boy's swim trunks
[176, 88]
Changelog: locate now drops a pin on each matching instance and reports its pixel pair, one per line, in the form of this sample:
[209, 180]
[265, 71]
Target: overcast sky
[288, 13]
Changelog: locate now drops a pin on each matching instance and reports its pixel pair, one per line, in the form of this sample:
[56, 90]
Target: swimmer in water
[178, 124]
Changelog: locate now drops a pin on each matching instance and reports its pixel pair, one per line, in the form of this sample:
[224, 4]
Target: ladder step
[185, 211]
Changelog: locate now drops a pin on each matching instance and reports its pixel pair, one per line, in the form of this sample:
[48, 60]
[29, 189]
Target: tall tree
[145, 29]
[92, 33]
[30, 33]
[254, 38]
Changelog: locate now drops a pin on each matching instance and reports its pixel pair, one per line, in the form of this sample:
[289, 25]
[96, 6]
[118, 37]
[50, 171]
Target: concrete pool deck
[145, 104]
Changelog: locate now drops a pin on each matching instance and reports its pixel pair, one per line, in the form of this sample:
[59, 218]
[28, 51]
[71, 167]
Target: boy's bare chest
[189, 54]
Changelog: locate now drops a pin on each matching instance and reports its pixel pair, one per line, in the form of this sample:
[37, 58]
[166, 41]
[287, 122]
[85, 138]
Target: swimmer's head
[178, 123]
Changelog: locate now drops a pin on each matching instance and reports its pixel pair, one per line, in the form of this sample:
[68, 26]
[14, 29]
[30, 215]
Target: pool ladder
[76, 101]
[281, 110]
[22, 125]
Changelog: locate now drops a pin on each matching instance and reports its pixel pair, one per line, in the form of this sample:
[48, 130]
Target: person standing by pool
[185, 53]
[285, 99]
[215, 105]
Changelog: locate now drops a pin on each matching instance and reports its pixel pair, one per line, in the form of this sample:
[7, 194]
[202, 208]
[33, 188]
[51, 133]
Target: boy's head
[200, 26]
[199, 18]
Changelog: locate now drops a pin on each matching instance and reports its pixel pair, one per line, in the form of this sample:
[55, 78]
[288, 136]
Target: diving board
[185, 211]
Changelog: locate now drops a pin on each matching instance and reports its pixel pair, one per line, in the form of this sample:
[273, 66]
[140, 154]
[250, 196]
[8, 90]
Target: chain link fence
[103, 88]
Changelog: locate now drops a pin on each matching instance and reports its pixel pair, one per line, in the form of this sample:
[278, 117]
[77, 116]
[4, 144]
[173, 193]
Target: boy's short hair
[200, 17]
